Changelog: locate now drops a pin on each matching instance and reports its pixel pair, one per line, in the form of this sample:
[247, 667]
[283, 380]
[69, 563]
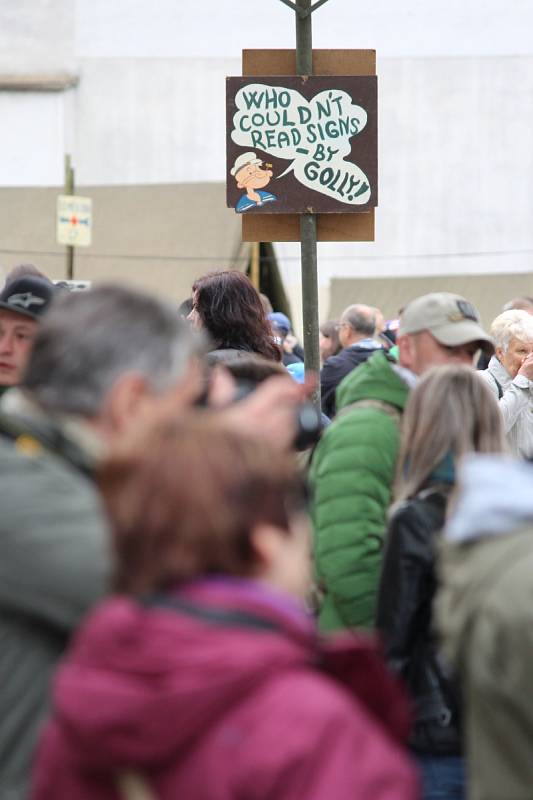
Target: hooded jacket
[351, 476]
[220, 692]
[485, 615]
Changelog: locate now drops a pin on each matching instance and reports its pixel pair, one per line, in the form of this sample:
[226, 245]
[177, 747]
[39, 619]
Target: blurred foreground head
[110, 353]
[199, 498]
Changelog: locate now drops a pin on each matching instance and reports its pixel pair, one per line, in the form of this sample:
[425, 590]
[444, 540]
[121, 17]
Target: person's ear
[124, 401]
[406, 351]
[222, 387]
[498, 352]
[240, 185]
[267, 545]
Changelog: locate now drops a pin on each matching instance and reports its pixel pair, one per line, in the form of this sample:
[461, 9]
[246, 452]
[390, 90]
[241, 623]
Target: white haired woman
[510, 377]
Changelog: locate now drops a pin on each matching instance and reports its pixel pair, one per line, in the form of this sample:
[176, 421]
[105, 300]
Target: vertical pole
[69, 190]
[304, 66]
[255, 264]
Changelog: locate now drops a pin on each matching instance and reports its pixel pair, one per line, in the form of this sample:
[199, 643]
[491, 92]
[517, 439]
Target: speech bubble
[313, 134]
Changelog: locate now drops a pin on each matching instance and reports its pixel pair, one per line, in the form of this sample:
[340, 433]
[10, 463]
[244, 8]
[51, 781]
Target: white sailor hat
[244, 159]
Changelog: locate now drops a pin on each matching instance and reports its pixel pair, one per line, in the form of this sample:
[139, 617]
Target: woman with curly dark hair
[227, 306]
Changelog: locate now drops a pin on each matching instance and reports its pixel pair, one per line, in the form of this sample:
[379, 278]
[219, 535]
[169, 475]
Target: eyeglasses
[340, 325]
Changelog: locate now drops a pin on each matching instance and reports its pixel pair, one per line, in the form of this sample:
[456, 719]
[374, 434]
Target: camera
[309, 422]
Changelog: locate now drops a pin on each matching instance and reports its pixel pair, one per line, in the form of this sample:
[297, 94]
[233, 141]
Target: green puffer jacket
[352, 475]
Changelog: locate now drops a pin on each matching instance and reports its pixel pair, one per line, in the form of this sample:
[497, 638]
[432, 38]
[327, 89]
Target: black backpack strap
[225, 617]
[31, 438]
[499, 387]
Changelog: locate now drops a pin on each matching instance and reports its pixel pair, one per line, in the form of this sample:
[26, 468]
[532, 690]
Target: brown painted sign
[302, 144]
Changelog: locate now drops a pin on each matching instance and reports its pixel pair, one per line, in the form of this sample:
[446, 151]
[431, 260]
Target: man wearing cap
[354, 463]
[249, 175]
[23, 302]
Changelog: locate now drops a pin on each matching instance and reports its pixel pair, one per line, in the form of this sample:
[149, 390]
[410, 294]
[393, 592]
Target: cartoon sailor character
[249, 175]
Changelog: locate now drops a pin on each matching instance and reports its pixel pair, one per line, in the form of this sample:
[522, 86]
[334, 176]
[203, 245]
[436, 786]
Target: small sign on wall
[302, 144]
[74, 220]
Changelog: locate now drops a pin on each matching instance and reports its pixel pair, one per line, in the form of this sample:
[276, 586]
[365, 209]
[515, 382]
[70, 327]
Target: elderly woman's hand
[527, 367]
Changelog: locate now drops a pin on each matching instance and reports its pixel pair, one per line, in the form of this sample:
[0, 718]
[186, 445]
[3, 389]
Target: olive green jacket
[484, 611]
[54, 565]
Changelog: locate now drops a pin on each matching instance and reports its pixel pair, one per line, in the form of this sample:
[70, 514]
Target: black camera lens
[308, 426]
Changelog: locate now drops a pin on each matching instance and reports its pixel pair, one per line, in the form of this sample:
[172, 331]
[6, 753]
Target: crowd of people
[210, 589]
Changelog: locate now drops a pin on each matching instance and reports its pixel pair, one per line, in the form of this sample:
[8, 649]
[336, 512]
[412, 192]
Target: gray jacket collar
[498, 371]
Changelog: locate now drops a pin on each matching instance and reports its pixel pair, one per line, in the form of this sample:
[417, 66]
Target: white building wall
[456, 113]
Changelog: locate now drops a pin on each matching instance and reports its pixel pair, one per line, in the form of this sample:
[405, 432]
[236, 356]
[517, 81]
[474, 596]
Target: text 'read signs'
[74, 220]
[302, 144]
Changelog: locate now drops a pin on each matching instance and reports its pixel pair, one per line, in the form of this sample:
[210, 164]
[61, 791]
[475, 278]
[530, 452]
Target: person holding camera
[202, 676]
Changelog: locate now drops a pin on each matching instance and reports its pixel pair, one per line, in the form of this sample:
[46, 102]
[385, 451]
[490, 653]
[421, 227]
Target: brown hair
[184, 501]
[330, 330]
[451, 411]
[232, 313]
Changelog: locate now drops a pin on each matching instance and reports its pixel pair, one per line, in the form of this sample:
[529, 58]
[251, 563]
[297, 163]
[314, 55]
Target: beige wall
[487, 292]
[157, 237]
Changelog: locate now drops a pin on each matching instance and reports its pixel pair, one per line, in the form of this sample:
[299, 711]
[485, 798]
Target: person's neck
[356, 338]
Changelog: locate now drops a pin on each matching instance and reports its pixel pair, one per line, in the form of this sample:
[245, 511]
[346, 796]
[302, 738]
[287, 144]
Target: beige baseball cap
[244, 159]
[450, 318]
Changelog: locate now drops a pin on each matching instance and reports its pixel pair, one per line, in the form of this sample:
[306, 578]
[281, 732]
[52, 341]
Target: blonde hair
[451, 411]
[512, 324]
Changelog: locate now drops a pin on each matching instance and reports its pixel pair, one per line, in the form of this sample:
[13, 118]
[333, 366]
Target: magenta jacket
[221, 691]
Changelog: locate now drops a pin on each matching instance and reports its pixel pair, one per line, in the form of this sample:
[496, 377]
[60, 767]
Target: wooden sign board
[301, 144]
[284, 227]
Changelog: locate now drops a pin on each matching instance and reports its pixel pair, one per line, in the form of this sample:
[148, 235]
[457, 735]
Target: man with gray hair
[356, 330]
[101, 360]
[510, 377]
[519, 303]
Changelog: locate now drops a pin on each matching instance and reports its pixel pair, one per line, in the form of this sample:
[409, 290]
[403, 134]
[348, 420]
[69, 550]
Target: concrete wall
[487, 292]
[157, 237]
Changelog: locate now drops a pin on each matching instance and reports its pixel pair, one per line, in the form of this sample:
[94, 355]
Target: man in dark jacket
[356, 330]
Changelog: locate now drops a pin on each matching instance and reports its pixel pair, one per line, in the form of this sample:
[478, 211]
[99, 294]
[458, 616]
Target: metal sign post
[69, 190]
[293, 171]
[304, 66]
